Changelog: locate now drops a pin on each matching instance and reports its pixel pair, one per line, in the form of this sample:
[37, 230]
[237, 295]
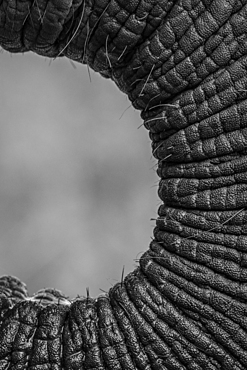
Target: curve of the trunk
[183, 64]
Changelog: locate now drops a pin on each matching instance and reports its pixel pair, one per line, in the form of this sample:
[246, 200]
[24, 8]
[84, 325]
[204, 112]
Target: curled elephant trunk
[183, 64]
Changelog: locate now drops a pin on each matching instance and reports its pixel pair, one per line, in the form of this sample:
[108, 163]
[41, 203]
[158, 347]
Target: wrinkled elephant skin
[183, 64]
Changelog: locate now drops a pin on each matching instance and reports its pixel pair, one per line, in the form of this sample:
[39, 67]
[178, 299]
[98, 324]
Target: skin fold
[183, 65]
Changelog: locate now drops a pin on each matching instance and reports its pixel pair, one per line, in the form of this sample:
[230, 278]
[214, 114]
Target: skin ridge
[183, 64]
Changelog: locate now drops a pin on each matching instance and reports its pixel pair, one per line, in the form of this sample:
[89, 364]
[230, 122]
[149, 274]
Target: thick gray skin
[183, 64]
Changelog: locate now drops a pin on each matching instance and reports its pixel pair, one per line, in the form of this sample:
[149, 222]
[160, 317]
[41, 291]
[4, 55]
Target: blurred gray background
[76, 186]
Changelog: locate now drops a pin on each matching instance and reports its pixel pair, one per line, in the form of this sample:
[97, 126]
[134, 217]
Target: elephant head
[183, 65]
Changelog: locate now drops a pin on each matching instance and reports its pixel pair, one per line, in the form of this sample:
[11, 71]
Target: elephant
[183, 65]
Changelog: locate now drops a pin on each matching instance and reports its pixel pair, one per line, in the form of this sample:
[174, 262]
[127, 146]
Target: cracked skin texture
[183, 64]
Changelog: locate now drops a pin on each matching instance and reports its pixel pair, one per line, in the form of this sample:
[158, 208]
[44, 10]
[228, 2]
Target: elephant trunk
[99, 33]
[183, 64]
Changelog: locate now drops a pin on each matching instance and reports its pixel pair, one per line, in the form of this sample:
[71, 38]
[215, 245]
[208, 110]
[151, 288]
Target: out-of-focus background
[76, 186]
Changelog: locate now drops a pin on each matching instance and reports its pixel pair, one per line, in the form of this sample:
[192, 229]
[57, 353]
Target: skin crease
[183, 64]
